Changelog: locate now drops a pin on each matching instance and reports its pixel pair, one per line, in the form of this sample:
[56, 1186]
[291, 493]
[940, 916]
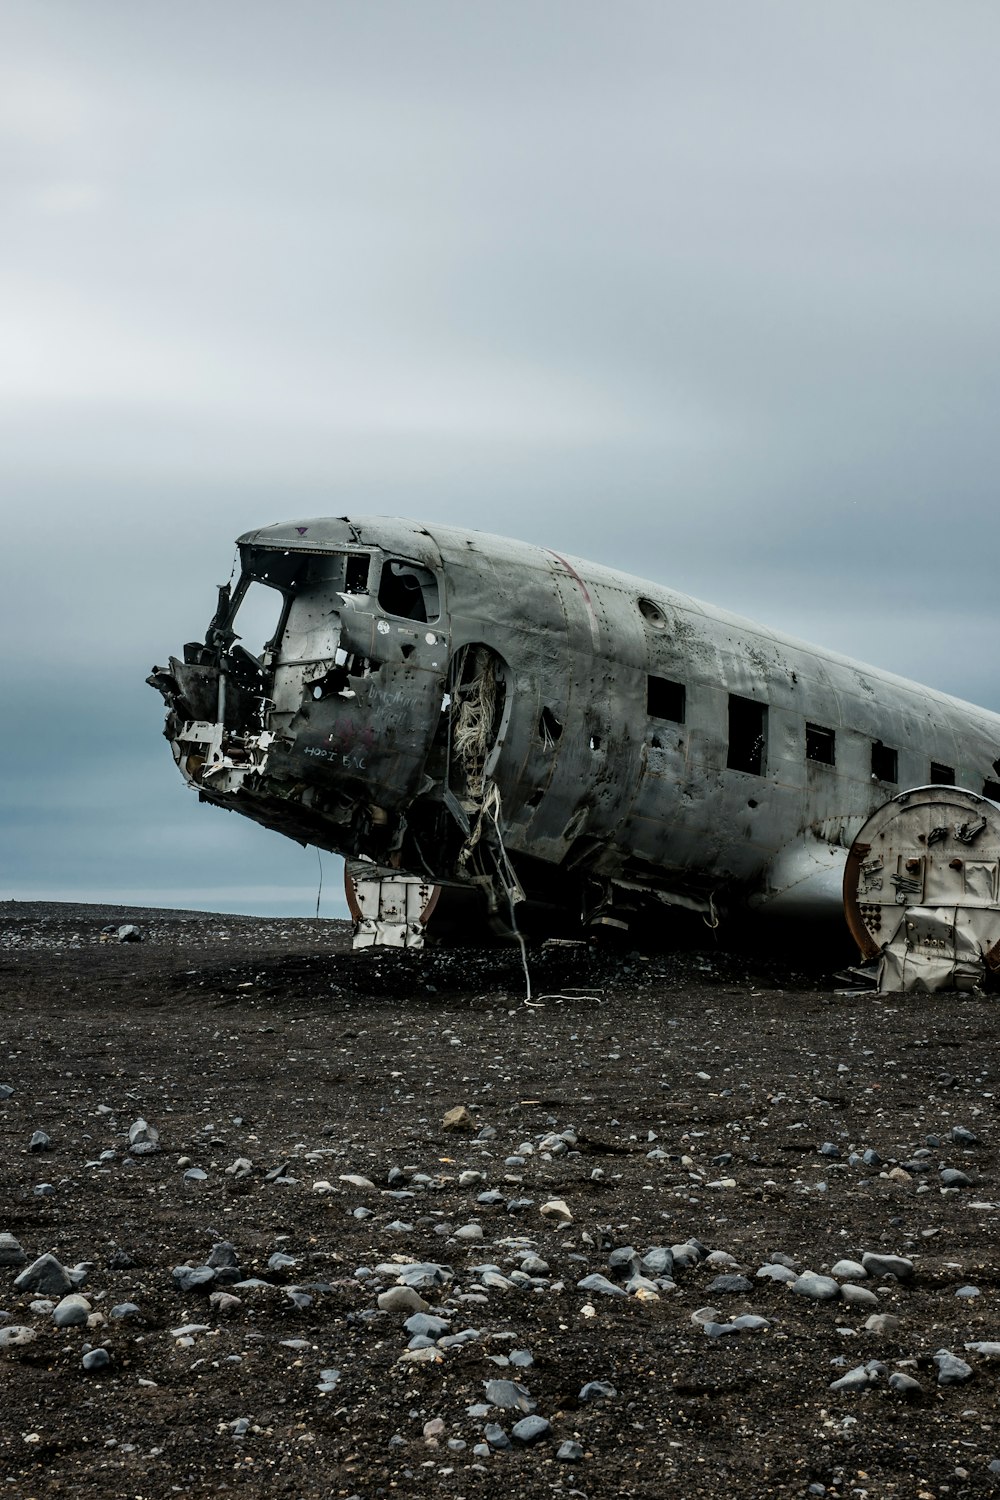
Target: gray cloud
[706, 293]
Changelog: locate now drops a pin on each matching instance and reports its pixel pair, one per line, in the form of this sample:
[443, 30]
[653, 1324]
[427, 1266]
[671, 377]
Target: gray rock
[623, 1261]
[657, 1261]
[598, 1283]
[858, 1379]
[569, 1452]
[522, 1358]
[778, 1258]
[143, 1138]
[281, 1262]
[508, 1395]
[11, 1253]
[533, 1265]
[888, 1265]
[951, 1177]
[195, 1174]
[905, 1385]
[402, 1299]
[45, 1275]
[16, 1334]
[40, 1142]
[857, 1296]
[849, 1270]
[496, 1436]
[192, 1278]
[951, 1370]
[773, 1272]
[421, 1275]
[597, 1390]
[125, 1310]
[819, 1288]
[44, 1190]
[96, 1359]
[968, 1292]
[6, 1090]
[530, 1429]
[730, 1283]
[882, 1323]
[426, 1324]
[71, 1311]
[987, 1348]
[963, 1137]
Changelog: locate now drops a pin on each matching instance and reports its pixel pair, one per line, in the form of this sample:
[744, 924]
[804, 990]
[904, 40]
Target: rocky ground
[313, 1224]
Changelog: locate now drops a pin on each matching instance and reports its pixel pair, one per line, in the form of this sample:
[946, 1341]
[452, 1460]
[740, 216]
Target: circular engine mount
[922, 889]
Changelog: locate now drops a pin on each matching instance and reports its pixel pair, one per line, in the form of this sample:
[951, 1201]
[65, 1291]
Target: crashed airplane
[572, 748]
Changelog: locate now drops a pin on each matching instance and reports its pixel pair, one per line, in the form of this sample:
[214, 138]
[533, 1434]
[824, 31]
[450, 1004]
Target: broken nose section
[217, 716]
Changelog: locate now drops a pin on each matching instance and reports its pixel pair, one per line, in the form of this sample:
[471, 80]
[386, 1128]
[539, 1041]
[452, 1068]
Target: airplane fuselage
[489, 714]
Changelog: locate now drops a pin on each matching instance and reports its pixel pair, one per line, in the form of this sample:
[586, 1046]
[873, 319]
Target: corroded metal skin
[574, 742]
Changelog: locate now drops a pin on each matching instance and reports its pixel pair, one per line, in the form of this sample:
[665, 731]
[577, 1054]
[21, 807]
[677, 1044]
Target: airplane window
[408, 591]
[747, 735]
[356, 574]
[991, 789]
[257, 617]
[665, 699]
[885, 762]
[941, 775]
[821, 744]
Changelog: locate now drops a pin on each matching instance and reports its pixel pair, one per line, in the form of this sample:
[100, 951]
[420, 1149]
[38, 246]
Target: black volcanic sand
[269, 1040]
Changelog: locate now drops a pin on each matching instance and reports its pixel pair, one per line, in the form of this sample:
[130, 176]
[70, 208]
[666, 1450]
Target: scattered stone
[530, 1429]
[128, 1309]
[951, 1369]
[557, 1209]
[730, 1284]
[849, 1270]
[39, 1142]
[402, 1299]
[458, 1118]
[192, 1278]
[968, 1292]
[569, 1452]
[71, 1311]
[597, 1390]
[888, 1265]
[11, 1253]
[951, 1177]
[427, 1325]
[819, 1288]
[986, 1348]
[598, 1283]
[45, 1275]
[857, 1296]
[905, 1385]
[354, 1181]
[509, 1395]
[96, 1359]
[143, 1138]
[16, 1334]
[882, 1323]
[496, 1436]
[772, 1272]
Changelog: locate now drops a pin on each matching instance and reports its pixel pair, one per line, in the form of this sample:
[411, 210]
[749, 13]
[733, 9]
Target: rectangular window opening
[942, 775]
[885, 762]
[821, 744]
[665, 699]
[991, 789]
[747, 735]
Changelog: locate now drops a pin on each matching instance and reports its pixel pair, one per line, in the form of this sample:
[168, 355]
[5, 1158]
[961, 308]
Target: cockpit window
[257, 617]
[408, 591]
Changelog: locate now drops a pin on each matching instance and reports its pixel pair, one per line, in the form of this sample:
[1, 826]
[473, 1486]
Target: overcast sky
[705, 291]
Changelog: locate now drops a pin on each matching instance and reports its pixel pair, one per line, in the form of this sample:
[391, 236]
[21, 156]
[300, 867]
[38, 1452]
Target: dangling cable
[319, 893]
